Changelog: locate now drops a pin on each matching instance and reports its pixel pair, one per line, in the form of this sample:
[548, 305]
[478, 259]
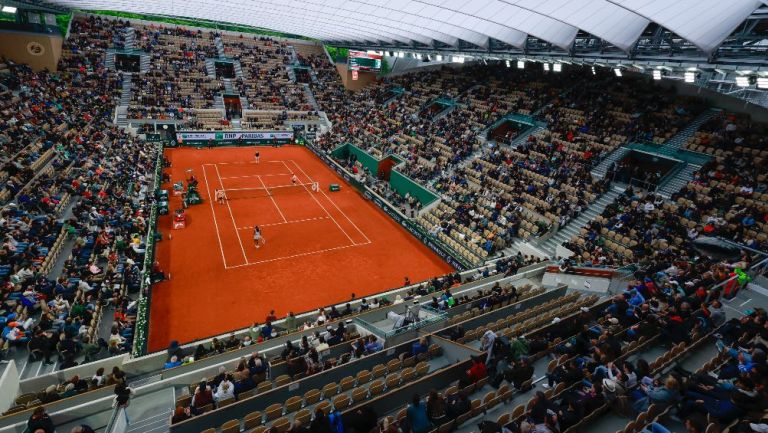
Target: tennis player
[258, 239]
[256, 157]
[294, 179]
[220, 196]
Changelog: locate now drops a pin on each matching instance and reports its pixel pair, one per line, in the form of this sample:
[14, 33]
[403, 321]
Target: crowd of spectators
[88, 201]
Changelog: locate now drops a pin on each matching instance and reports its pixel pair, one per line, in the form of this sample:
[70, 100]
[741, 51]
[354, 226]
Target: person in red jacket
[477, 371]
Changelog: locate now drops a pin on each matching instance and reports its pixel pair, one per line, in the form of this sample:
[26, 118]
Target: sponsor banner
[230, 136]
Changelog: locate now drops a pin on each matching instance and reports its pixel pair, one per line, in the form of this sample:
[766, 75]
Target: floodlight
[520, 64]
[690, 77]
[9, 9]
[558, 67]
[742, 81]
[546, 66]
[617, 71]
[656, 74]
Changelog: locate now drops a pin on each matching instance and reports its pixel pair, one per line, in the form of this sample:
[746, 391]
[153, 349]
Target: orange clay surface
[320, 246]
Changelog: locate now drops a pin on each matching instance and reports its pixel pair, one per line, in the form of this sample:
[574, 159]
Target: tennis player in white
[257, 156]
[294, 179]
[258, 239]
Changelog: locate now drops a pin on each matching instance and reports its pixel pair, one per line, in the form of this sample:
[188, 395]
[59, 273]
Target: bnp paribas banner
[234, 137]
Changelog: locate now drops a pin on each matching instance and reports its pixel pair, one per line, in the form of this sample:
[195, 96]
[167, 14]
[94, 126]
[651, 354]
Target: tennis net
[245, 193]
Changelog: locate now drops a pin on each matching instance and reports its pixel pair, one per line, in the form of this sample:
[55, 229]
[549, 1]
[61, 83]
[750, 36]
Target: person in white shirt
[225, 390]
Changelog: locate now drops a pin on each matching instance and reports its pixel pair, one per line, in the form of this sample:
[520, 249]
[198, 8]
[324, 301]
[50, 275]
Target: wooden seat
[376, 388]
[231, 426]
[263, 387]
[293, 404]
[347, 383]
[245, 394]
[341, 402]
[394, 365]
[363, 376]
[312, 396]
[476, 407]
[330, 390]
[435, 350]
[281, 425]
[209, 430]
[504, 393]
[259, 429]
[422, 368]
[378, 371]
[518, 411]
[324, 406]
[274, 411]
[226, 402]
[408, 374]
[282, 380]
[359, 394]
[503, 419]
[393, 381]
[252, 420]
[490, 400]
[303, 416]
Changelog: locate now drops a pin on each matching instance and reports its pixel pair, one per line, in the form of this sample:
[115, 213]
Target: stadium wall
[363, 79]
[39, 51]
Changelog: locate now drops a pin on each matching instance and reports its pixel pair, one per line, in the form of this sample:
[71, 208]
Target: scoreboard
[363, 61]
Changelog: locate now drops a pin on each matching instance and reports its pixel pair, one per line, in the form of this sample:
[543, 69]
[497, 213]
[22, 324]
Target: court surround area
[320, 246]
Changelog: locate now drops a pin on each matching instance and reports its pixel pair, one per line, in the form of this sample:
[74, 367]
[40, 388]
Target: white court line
[286, 166]
[257, 175]
[745, 302]
[298, 255]
[286, 222]
[236, 162]
[234, 224]
[332, 202]
[327, 213]
[213, 212]
[273, 199]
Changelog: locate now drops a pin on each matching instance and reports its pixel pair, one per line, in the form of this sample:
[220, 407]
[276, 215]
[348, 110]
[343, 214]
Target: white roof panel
[705, 23]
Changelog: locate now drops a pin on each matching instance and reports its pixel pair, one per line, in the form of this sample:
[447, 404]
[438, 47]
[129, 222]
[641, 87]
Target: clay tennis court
[320, 246]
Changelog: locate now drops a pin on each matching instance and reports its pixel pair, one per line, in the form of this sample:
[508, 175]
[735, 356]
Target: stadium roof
[704, 23]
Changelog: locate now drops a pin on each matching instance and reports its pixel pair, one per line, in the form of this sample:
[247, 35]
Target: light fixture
[617, 71]
[439, 58]
[9, 9]
[520, 64]
[458, 59]
[656, 74]
[546, 66]
[507, 63]
[762, 83]
[593, 71]
[400, 54]
[557, 67]
[689, 77]
[742, 81]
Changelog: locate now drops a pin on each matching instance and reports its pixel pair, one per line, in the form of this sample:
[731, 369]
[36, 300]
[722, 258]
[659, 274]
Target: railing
[141, 331]
[118, 422]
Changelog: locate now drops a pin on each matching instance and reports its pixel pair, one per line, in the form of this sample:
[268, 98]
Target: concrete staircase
[522, 138]
[219, 102]
[129, 36]
[145, 63]
[109, 61]
[244, 102]
[291, 74]
[238, 69]
[574, 226]
[615, 156]
[678, 181]
[311, 97]
[210, 67]
[228, 86]
[682, 136]
[125, 97]
[219, 46]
